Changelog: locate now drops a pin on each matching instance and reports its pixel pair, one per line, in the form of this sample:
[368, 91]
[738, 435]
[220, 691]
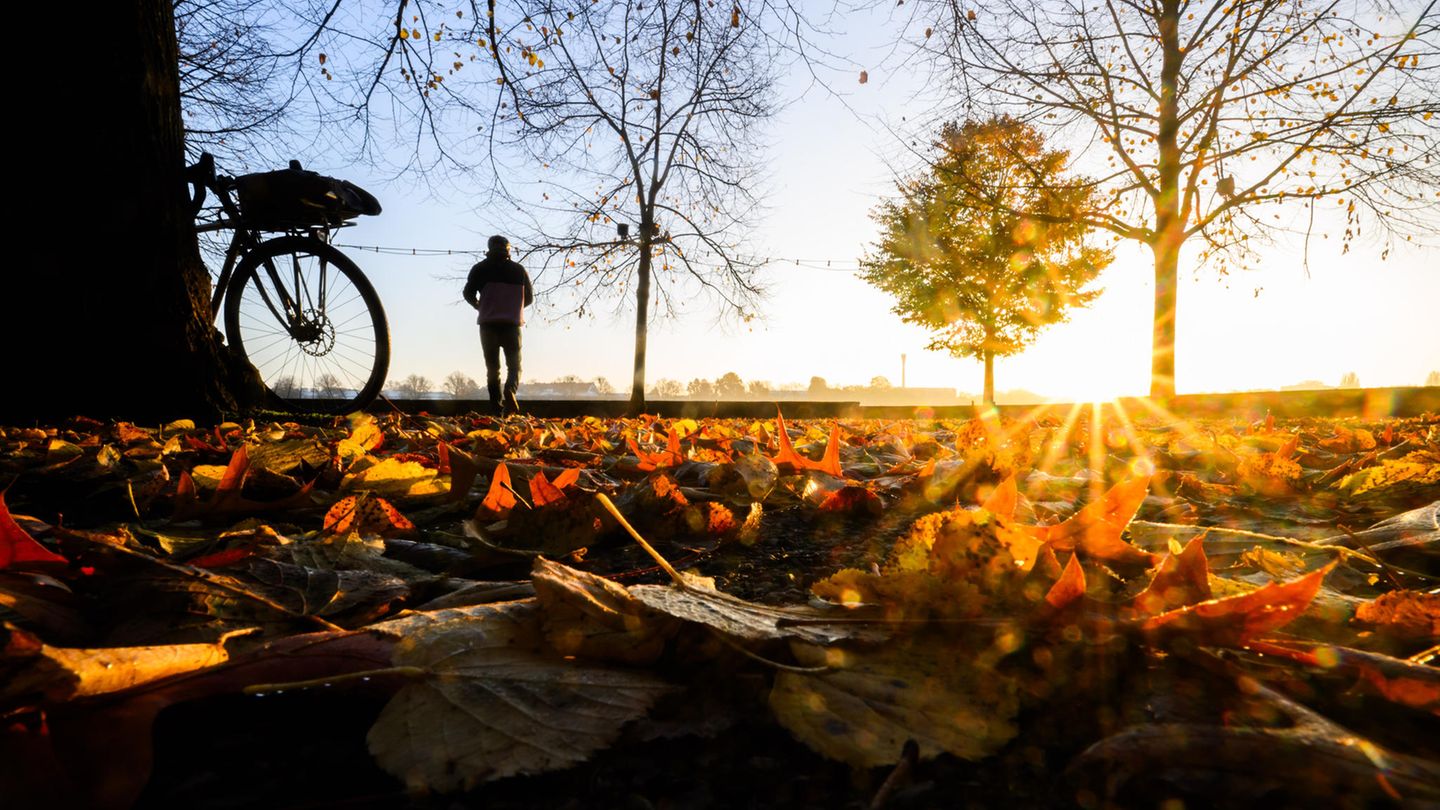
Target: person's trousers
[495, 338]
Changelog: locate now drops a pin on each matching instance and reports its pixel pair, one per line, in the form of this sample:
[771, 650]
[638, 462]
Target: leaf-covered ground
[1066, 609]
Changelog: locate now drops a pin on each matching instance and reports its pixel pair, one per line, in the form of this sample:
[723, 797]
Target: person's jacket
[500, 289]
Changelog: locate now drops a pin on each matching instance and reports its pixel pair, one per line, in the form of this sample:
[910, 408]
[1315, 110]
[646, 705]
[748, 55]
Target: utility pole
[902, 369]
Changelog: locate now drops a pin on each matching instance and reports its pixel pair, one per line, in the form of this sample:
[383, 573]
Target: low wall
[1363, 402]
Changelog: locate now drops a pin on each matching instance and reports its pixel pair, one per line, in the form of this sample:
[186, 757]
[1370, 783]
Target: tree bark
[113, 321]
[642, 320]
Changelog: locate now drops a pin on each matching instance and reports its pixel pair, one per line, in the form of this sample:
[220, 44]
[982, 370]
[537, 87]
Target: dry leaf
[491, 701]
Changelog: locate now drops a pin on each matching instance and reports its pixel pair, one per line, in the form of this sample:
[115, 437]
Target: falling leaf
[491, 701]
[864, 76]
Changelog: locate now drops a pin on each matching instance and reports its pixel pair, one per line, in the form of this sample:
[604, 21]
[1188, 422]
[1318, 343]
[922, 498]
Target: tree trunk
[989, 395]
[642, 321]
[1169, 229]
[126, 295]
[1162, 346]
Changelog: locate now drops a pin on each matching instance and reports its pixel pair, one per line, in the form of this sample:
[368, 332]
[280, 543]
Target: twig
[1384, 566]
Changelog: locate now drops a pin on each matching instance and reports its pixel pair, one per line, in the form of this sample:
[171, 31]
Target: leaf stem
[406, 672]
[665, 564]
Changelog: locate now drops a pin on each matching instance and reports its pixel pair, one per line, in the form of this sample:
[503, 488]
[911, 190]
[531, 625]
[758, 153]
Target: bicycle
[295, 307]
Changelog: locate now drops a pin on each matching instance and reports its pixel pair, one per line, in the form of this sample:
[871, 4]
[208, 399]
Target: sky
[1279, 324]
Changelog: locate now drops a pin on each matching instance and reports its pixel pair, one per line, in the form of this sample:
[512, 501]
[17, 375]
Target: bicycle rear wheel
[305, 316]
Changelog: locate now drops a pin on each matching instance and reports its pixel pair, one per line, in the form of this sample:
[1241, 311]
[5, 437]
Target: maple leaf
[1180, 579]
[830, 463]
[1095, 530]
[671, 456]
[500, 499]
[1069, 588]
[1232, 621]
[18, 549]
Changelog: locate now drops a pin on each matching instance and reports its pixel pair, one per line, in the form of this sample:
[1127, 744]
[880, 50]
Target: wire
[831, 265]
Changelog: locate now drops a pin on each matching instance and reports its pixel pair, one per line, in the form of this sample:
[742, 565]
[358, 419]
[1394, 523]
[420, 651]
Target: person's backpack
[296, 198]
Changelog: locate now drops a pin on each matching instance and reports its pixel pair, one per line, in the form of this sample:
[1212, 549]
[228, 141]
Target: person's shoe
[510, 406]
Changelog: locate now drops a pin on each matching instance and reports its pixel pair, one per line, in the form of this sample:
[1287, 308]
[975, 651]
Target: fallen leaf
[367, 514]
[1403, 614]
[867, 703]
[18, 549]
[492, 701]
[1234, 620]
[1180, 579]
[596, 618]
[1095, 531]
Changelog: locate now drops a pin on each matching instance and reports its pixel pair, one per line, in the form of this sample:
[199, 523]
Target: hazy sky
[1265, 328]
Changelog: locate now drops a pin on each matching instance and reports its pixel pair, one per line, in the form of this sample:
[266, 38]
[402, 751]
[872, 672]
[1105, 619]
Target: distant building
[559, 390]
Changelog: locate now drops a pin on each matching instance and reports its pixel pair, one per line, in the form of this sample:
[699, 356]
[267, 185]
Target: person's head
[499, 246]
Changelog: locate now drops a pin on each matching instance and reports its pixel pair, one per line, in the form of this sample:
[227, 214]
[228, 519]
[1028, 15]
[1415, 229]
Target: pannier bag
[296, 198]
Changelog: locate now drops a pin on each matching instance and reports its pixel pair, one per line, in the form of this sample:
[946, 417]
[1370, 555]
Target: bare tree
[646, 114]
[461, 385]
[700, 389]
[880, 383]
[758, 387]
[603, 386]
[1221, 122]
[666, 388]
[414, 386]
[329, 386]
[1350, 380]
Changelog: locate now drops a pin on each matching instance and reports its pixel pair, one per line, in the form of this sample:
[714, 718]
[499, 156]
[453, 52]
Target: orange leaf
[17, 548]
[1182, 579]
[787, 455]
[852, 499]
[671, 456]
[543, 492]
[567, 478]
[1003, 499]
[1069, 587]
[1236, 619]
[1095, 530]
[499, 500]
[367, 514]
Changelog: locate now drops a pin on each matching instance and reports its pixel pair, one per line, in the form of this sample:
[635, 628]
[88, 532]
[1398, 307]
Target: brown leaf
[867, 703]
[501, 497]
[367, 514]
[491, 701]
[1069, 588]
[593, 617]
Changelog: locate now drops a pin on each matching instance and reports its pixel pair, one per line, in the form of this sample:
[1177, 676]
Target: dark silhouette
[499, 289]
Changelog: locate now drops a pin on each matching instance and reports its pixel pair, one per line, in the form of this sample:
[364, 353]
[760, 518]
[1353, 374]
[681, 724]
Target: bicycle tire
[336, 356]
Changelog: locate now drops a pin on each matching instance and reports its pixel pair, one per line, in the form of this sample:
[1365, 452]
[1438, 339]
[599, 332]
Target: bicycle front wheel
[310, 322]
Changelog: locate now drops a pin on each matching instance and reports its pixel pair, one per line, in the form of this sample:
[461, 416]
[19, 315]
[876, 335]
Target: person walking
[499, 289]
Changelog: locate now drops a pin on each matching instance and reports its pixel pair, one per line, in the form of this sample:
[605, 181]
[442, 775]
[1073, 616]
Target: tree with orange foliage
[958, 260]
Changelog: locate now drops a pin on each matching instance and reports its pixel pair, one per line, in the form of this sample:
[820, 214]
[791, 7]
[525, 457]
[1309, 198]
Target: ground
[443, 612]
